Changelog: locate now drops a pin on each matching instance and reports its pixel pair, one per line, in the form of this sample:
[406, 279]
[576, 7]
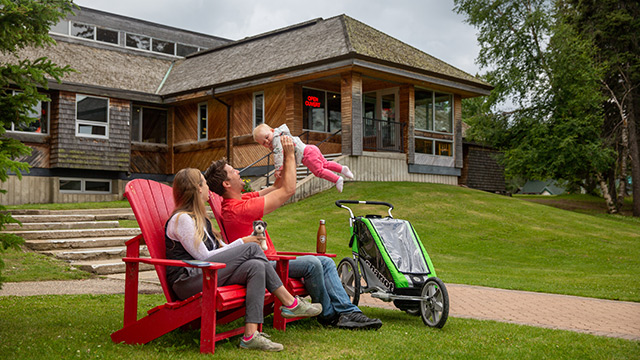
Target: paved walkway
[594, 316]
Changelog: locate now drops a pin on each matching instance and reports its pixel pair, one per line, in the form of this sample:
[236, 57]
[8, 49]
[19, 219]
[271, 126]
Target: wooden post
[408, 117]
[457, 130]
[170, 168]
[351, 96]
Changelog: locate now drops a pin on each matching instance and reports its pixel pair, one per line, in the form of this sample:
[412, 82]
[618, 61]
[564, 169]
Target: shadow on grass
[79, 326]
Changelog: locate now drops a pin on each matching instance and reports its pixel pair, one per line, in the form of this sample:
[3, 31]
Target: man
[319, 272]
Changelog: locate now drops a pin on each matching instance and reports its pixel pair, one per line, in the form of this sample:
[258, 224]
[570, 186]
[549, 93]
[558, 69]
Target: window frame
[92, 123]
[433, 114]
[13, 123]
[83, 182]
[122, 35]
[434, 147]
[325, 101]
[206, 119]
[139, 139]
[253, 111]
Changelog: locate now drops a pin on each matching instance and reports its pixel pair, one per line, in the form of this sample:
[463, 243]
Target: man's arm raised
[283, 190]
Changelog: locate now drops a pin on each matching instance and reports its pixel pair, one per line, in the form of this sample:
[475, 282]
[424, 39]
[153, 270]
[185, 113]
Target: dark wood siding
[481, 169]
[71, 151]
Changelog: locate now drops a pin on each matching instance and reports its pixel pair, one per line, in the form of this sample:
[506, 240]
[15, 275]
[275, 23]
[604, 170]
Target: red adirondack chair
[294, 286]
[152, 204]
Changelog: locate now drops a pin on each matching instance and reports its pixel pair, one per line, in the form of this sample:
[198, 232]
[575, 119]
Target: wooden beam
[198, 146]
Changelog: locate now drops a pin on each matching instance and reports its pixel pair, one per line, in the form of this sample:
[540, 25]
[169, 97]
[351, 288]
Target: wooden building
[147, 100]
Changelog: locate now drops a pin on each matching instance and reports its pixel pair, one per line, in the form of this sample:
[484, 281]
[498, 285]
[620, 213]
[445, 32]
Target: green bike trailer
[392, 265]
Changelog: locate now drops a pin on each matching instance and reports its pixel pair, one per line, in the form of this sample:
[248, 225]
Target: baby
[308, 155]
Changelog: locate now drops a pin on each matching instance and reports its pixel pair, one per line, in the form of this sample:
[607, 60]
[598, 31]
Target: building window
[108, 36]
[433, 146]
[92, 32]
[83, 31]
[92, 116]
[165, 47]
[40, 112]
[85, 186]
[149, 125]
[322, 110]
[184, 50]
[142, 42]
[138, 41]
[433, 111]
[203, 117]
[258, 108]
[61, 28]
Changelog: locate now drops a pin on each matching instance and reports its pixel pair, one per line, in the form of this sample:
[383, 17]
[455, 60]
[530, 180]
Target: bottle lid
[321, 221]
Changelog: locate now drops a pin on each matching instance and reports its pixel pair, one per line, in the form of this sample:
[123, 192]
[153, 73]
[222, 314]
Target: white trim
[83, 186]
[206, 114]
[92, 123]
[253, 111]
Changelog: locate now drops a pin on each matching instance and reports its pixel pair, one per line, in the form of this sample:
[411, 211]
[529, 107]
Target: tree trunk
[622, 175]
[611, 205]
[634, 153]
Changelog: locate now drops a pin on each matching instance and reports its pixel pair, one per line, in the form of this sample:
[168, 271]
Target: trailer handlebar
[339, 203]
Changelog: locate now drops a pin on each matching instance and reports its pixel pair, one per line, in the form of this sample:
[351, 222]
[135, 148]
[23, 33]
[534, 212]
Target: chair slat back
[152, 204]
[215, 201]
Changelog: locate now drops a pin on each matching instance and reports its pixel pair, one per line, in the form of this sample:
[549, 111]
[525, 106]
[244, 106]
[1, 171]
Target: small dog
[259, 228]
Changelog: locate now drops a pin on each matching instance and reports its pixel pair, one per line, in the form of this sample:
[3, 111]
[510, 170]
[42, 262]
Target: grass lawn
[472, 237]
[479, 238]
[79, 326]
[21, 265]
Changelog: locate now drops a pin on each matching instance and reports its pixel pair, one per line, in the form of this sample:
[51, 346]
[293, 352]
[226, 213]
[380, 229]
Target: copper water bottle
[321, 244]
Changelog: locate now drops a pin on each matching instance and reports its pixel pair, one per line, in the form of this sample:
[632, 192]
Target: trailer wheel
[350, 278]
[434, 305]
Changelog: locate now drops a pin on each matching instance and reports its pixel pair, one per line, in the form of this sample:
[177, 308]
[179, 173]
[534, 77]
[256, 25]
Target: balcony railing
[382, 135]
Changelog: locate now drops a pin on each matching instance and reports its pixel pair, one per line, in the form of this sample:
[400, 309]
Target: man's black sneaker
[358, 320]
[330, 321]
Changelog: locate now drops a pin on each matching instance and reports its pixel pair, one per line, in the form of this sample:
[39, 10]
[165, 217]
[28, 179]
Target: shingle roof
[123, 70]
[300, 45]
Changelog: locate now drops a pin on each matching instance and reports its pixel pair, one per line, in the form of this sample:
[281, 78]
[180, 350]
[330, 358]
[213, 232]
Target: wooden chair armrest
[166, 262]
[294, 253]
[280, 257]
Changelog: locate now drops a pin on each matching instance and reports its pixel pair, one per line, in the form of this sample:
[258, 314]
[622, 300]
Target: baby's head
[263, 135]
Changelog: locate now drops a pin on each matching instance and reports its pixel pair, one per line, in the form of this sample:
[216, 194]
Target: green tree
[23, 23]
[614, 28]
[553, 76]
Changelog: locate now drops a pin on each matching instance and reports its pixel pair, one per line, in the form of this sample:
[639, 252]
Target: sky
[428, 25]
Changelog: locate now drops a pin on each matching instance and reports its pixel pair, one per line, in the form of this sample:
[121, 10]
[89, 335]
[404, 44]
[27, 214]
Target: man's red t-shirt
[238, 215]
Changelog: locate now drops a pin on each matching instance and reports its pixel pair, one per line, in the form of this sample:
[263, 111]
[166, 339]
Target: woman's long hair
[187, 198]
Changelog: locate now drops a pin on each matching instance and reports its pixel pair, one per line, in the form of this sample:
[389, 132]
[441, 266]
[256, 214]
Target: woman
[189, 236]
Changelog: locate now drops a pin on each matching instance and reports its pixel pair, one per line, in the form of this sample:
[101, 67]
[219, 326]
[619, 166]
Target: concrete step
[72, 211]
[106, 267]
[149, 276]
[91, 254]
[75, 233]
[30, 226]
[72, 217]
[77, 243]
[26, 219]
